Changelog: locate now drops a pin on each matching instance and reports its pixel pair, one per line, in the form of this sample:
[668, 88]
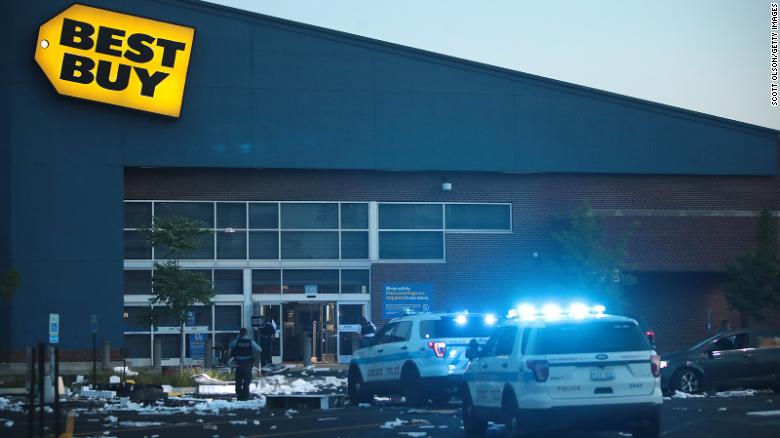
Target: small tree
[754, 287]
[9, 282]
[177, 289]
[585, 264]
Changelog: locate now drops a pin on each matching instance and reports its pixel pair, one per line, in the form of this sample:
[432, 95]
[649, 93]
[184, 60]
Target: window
[383, 336]
[446, 327]
[481, 217]
[506, 340]
[326, 280]
[231, 245]
[136, 246]
[410, 216]
[138, 214]
[310, 245]
[768, 340]
[354, 245]
[412, 245]
[229, 281]
[227, 318]
[350, 313]
[732, 342]
[355, 281]
[603, 337]
[170, 345]
[266, 281]
[403, 332]
[204, 249]
[202, 212]
[138, 346]
[231, 215]
[310, 216]
[264, 216]
[201, 315]
[354, 216]
[136, 319]
[138, 282]
[264, 245]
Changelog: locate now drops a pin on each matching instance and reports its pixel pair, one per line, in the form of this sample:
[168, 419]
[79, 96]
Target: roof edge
[504, 72]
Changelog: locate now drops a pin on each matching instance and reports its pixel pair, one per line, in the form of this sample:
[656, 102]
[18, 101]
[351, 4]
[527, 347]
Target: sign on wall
[54, 328]
[114, 58]
[399, 298]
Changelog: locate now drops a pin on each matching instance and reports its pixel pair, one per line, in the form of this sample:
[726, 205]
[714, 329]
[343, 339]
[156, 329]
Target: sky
[711, 56]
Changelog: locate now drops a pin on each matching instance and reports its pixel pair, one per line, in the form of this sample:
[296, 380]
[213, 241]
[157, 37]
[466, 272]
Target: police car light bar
[528, 312]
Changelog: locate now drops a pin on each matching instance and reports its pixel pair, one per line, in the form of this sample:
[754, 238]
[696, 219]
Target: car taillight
[439, 348]
[540, 368]
[655, 365]
[650, 334]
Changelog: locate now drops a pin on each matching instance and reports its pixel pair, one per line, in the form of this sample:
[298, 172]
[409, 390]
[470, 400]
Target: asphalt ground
[698, 417]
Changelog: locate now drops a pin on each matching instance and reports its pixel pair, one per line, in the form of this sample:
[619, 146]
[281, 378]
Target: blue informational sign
[197, 345]
[399, 298]
[190, 318]
[54, 328]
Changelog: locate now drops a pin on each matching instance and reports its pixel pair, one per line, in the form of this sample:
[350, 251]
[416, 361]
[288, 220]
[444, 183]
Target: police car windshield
[589, 338]
[448, 327]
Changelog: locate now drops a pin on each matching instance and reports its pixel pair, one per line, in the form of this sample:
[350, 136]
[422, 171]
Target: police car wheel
[357, 394]
[511, 414]
[471, 424]
[412, 386]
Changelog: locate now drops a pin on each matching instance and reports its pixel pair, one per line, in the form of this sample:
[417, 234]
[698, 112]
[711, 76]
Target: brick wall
[679, 259]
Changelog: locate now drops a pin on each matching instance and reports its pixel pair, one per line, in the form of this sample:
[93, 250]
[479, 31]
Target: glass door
[274, 312]
[349, 319]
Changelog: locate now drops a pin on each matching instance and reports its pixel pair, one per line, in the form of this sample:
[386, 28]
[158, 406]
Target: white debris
[443, 426]
[206, 379]
[290, 412]
[127, 372]
[327, 418]
[95, 393]
[139, 423]
[167, 389]
[8, 405]
[742, 393]
[364, 405]
[79, 379]
[414, 434]
[273, 427]
[111, 419]
[393, 424]
[256, 422]
[239, 422]
[114, 379]
[625, 434]
[680, 394]
[764, 413]
[277, 384]
[722, 409]
[427, 426]
[9, 423]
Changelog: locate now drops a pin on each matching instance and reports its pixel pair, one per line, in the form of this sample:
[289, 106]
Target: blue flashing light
[599, 309]
[461, 320]
[552, 311]
[526, 312]
[490, 319]
[578, 311]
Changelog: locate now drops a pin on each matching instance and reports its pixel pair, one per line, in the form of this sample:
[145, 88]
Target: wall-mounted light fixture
[446, 186]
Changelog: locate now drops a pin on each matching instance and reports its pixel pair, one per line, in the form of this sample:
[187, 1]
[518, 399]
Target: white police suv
[580, 368]
[420, 356]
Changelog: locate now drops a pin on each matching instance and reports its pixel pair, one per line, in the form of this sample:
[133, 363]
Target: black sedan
[736, 358]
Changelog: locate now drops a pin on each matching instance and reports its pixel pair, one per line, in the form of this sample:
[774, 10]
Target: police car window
[588, 337]
[767, 340]
[384, 335]
[506, 340]
[447, 327]
[403, 332]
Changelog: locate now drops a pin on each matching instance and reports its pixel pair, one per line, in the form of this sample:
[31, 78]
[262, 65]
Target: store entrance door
[309, 332]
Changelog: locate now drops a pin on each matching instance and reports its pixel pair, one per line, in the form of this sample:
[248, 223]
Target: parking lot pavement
[694, 417]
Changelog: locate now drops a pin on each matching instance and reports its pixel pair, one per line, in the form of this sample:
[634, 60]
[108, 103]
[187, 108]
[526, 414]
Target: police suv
[420, 356]
[580, 368]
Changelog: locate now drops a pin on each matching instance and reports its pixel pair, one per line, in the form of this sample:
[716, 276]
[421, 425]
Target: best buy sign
[115, 58]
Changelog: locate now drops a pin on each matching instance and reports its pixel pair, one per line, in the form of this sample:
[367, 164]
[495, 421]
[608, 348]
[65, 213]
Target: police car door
[499, 368]
[377, 356]
[396, 350]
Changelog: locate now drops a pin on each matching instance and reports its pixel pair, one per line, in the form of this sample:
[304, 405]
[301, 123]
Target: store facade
[342, 177]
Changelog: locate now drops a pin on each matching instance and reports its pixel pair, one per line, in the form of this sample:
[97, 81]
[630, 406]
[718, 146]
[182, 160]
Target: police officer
[243, 349]
[367, 331]
[267, 334]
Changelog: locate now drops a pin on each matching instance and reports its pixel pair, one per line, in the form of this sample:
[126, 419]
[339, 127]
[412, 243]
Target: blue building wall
[267, 93]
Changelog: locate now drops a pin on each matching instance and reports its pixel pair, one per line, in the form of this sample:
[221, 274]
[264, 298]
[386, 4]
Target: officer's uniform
[244, 350]
[367, 332]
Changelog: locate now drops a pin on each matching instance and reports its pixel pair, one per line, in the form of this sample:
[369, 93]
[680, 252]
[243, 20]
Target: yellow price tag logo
[115, 58]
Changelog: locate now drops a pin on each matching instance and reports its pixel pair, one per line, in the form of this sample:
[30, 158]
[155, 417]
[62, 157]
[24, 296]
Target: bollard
[157, 354]
[106, 355]
[208, 358]
[55, 359]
